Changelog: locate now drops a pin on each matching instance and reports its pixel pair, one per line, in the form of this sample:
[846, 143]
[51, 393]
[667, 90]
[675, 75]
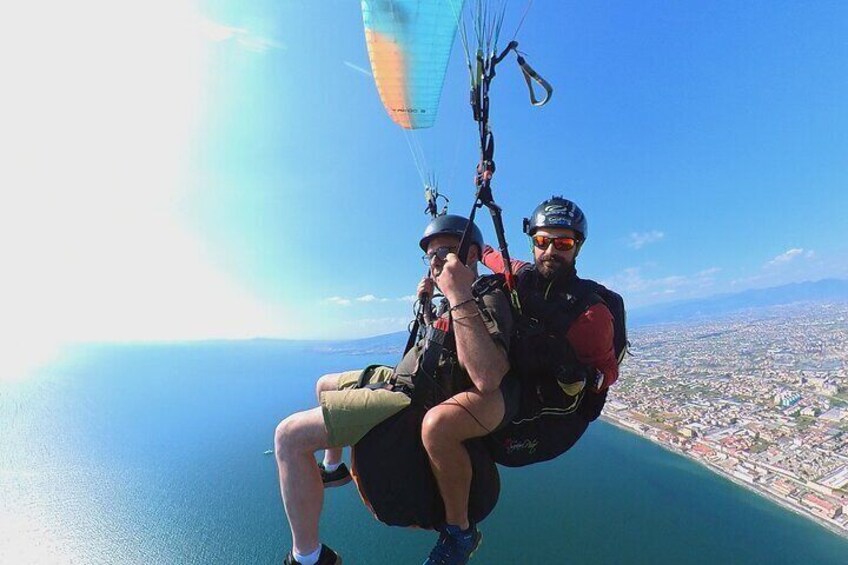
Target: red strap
[442, 324]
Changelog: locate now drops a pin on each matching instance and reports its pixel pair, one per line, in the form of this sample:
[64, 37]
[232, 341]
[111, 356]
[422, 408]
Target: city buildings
[760, 396]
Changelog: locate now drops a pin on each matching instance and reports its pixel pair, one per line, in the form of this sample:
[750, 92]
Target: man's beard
[555, 268]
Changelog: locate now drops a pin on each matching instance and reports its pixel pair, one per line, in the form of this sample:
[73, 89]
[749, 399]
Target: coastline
[630, 426]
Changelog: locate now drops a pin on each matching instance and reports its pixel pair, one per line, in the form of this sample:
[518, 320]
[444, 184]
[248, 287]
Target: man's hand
[455, 280]
[425, 289]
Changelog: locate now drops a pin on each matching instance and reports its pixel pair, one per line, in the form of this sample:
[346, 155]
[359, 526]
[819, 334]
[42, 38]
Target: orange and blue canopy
[409, 45]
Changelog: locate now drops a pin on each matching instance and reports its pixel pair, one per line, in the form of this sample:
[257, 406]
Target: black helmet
[450, 224]
[557, 212]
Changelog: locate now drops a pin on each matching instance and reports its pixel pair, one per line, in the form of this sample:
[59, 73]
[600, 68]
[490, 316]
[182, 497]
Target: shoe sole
[479, 543]
[338, 482]
[338, 560]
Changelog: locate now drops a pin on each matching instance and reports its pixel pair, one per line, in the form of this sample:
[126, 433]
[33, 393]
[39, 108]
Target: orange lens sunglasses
[560, 243]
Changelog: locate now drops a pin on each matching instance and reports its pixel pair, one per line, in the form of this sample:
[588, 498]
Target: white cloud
[786, 257]
[408, 298]
[789, 256]
[217, 32]
[213, 31]
[793, 265]
[338, 300]
[259, 44]
[640, 288]
[637, 240]
[371, 298]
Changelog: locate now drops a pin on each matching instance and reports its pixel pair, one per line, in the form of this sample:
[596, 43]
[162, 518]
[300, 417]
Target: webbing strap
[434, 344]
[363, 376]
[465, 240]
[531, 76]
[480, 84]
[413, 336]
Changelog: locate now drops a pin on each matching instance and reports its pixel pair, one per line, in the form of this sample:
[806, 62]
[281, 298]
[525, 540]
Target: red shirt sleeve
[493, 259]
[591, 336]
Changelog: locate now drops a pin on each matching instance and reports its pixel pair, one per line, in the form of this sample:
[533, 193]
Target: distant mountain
[386, 343]
[702, 308]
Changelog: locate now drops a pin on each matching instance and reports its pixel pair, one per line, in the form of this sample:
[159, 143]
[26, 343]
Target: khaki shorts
[350, 412]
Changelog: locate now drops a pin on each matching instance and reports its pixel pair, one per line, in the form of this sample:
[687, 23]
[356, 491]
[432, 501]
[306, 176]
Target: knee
[286, 436]
[436, 427]
[325, 383]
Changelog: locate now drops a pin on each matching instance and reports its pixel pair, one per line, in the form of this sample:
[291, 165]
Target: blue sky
[186, 170]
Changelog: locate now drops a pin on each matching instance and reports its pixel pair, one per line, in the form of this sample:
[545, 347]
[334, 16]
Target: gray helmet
[557, 212]
[450, 224]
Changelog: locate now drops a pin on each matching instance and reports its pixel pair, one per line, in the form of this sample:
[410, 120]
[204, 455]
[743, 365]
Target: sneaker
[327, 557]
[455, 546]
[337, 478]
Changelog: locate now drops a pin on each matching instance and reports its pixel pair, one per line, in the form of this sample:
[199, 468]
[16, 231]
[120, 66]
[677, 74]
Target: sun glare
[25, 540]
[101, 108]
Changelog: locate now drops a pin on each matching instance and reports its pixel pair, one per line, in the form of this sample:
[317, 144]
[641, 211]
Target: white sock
[308, 559]
[330, 467]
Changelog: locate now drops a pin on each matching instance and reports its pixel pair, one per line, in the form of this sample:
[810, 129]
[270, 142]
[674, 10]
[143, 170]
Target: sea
[155, 454]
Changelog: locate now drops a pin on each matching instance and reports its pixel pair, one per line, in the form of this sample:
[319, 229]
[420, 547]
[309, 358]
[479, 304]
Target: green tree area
[758, 446]
[658, 420]
[804, 422]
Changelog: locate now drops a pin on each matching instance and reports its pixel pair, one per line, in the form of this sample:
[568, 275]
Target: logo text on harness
[528, 445]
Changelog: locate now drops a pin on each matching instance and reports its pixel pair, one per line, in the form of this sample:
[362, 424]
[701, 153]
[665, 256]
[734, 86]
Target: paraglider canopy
[409, 45]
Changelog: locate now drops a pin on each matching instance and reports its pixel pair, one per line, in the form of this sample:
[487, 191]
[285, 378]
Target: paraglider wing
[409, 45]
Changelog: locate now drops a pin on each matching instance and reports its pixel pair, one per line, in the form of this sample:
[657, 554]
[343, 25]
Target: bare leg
[444, 429]
[333, 455]
[296, 440]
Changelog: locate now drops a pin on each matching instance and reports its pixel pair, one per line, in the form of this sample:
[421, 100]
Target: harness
[540, 348]
[554, 406]
[384, 483]
[400, 489]
[435, 376]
